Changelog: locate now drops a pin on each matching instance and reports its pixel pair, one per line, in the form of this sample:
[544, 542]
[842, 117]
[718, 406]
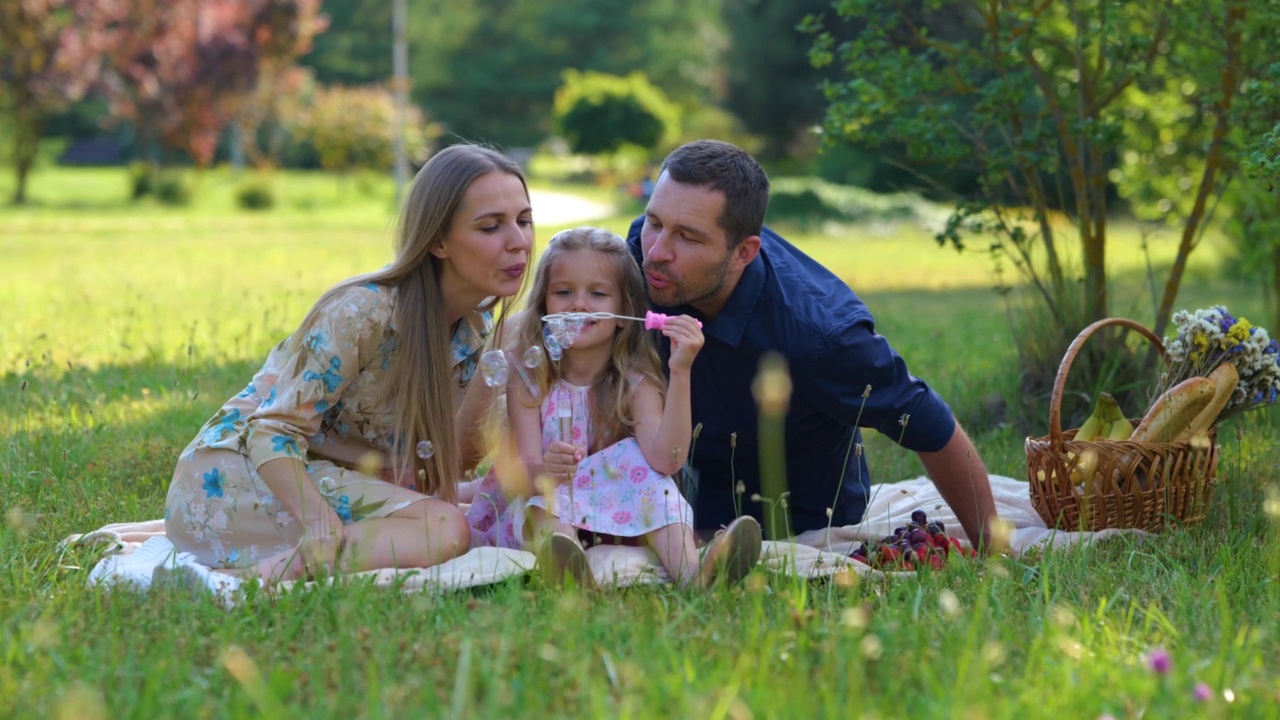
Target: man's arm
[961, 478]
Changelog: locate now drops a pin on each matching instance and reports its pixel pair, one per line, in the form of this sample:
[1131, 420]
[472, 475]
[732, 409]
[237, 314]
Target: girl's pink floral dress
[614, 492]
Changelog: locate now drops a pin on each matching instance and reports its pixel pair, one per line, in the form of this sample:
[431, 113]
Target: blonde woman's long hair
[419, 380]
[634, 351]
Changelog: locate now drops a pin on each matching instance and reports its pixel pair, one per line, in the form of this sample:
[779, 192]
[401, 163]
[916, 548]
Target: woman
[351, 437]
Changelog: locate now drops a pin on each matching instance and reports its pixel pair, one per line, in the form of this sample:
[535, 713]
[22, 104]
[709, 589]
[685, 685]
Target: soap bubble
[533, 357]
[426, 449]
[493, 366]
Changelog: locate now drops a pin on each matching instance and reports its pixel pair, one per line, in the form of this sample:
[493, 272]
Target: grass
[127, 326]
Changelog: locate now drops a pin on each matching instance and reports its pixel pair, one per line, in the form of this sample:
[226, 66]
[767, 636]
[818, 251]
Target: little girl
[628, 430]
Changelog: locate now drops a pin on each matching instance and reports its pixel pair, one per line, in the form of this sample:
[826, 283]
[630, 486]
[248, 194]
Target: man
[706, 252]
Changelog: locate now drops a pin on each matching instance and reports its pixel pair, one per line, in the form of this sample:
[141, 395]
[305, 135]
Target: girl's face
[585, 281]
[486, 249]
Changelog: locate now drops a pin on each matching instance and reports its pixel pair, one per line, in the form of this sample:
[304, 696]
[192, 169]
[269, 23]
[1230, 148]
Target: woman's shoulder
[358, 299]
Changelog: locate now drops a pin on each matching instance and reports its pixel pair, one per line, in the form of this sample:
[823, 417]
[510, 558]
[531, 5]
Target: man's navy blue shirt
[788, 303]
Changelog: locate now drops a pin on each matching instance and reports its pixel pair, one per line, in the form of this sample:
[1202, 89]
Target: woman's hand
[686, 340]
[321, 544]
[560, 459]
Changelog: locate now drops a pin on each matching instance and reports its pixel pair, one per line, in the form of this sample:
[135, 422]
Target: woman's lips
[514, 271]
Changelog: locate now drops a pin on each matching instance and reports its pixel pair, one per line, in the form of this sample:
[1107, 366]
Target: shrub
[351, 128]
[599, 114]
[172, 189]
[811, 201]
[255, 193]
[142, 180]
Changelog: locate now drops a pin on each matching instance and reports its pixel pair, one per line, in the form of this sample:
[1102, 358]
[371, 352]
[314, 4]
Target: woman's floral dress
[614, 491]
[219, 508]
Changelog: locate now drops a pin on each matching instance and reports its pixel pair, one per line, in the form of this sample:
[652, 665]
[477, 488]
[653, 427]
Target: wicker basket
[1146, 485]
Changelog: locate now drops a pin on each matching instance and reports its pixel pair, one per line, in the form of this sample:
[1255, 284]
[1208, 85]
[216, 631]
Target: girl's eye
[599, 293]
[489, 229]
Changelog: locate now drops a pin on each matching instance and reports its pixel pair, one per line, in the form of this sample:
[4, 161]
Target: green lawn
[126, 325]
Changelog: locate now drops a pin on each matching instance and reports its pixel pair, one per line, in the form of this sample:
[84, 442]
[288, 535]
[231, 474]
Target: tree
[772, 86]
[600, 113]
[1038, 97]
[489, 69]
[49, 52]
[181, 69]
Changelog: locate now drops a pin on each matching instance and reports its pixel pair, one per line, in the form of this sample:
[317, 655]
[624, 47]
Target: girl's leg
[677, 551]
[540, 525]
[560, 555]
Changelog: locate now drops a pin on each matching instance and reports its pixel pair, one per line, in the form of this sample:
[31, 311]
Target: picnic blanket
[813, 554]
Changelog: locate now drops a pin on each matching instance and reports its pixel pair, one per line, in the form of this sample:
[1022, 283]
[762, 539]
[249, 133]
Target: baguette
[1171, 414]
[1225, 378]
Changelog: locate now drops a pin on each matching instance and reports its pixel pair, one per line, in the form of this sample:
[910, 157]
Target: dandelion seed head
[949, 604]
[856, 618]
[871, 647]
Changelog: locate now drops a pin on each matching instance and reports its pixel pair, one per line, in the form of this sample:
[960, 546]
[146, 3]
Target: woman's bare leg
[425, 534]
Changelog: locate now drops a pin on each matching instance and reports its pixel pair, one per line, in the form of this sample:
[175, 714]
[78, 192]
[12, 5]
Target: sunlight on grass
[127, 326]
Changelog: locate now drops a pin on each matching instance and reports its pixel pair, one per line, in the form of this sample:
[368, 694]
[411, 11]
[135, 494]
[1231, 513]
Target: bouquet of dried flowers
[1208, 338]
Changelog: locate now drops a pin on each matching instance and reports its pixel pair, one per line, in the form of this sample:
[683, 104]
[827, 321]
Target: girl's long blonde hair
[634, 351]
[419, 380]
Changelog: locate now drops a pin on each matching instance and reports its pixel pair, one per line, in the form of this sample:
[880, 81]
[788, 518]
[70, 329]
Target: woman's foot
[562, 559]
[135, 568]
[198, 580]
[731, 554]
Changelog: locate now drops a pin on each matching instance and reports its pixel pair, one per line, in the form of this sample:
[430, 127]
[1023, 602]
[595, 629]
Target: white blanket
[811, 554]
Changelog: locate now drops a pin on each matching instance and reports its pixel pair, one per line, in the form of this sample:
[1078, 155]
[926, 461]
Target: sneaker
[732, 554]
[561, 559]
[197, 580]
[134, 568]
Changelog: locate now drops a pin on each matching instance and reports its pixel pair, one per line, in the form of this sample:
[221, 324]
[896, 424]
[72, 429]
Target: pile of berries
[919, 542]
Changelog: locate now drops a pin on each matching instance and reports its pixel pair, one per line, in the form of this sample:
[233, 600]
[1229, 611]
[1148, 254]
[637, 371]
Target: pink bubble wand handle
[655, 321]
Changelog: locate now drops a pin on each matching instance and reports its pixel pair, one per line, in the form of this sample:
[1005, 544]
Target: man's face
[686, 252]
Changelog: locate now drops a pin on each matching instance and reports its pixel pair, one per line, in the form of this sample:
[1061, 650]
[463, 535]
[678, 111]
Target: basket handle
[1059, 383]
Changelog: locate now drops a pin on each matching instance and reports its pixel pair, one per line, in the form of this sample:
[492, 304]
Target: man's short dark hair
[730, 170]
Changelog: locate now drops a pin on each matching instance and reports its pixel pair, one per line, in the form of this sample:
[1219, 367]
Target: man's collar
[730, 325]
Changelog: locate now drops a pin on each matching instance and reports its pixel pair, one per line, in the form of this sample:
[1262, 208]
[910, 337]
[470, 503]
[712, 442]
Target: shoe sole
[744, 539]
[564, 558]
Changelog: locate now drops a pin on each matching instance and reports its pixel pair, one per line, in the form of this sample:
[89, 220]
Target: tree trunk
[26, 144]
[1212, 162]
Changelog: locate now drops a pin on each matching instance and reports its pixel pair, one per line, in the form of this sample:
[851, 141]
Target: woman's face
[486, 249]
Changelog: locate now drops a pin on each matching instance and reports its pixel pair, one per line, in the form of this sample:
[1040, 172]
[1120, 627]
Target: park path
[557, 208]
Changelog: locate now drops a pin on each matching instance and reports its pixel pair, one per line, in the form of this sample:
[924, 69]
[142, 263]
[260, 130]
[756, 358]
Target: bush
[172, 189]
[352, 128]
[599, 114]
[810, 201]
[255, 193]
[142, 180]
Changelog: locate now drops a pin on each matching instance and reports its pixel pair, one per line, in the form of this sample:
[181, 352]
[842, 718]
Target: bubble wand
[652, 320]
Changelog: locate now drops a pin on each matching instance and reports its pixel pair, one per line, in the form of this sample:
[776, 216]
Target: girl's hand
[686, 340]
[560, 459]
